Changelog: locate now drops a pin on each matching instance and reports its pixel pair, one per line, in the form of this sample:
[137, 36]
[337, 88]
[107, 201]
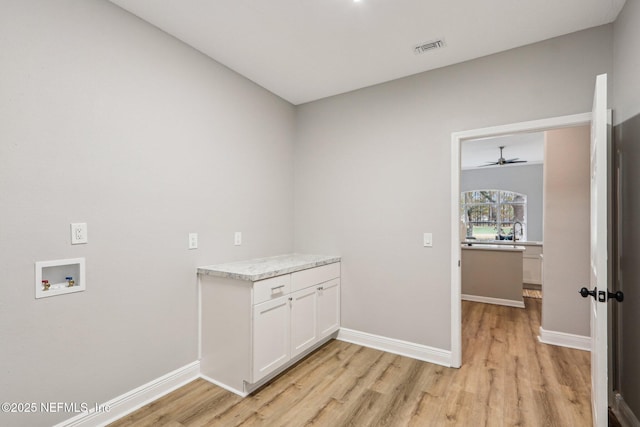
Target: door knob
[618, 296]
[586, 292]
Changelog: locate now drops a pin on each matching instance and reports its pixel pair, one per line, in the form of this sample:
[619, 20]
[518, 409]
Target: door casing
[456, 140]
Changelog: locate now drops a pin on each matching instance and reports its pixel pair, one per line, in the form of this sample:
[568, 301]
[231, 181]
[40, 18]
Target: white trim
[456, 139]
[625, 415]
[490, 300]
[135, 399]
[529, 126]
[391, 345]
[199, 284]
[564, 339]
[456, 255]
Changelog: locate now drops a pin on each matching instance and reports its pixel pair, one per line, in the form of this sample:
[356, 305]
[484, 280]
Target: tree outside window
[491, 214]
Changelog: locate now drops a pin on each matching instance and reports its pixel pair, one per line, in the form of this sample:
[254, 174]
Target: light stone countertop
[503, 242]
[492, 247]
[264, 268]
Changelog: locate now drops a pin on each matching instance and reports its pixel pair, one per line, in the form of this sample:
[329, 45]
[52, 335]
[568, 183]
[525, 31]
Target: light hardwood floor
[508, 378]
[532, 293]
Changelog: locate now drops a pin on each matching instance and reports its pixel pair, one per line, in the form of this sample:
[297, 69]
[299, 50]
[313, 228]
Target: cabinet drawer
[532, 251]
[313, 276]
[268, 289]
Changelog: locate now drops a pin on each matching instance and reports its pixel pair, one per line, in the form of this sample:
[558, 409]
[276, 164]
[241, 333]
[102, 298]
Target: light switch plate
[428, 239]
[78, 233]
[193, 240]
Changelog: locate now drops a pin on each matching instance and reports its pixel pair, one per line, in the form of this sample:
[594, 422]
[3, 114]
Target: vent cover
[428, 46]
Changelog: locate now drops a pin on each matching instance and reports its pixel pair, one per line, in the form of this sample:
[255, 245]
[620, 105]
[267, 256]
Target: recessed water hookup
[59, 277]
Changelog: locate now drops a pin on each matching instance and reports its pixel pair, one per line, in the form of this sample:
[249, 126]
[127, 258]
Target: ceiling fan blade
[502, 161]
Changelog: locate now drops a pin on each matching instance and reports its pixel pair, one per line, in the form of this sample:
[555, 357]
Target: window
[491, 214]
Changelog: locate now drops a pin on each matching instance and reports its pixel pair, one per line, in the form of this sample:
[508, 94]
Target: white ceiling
[524, 146]
[303, 50]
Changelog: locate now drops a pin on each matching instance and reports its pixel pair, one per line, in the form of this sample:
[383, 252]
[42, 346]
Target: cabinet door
[303, 320]
[271, 339]
[532, 265]
[328, 307]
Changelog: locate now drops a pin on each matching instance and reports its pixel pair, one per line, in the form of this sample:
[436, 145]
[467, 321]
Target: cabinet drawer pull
[320, 288]
[277, 289]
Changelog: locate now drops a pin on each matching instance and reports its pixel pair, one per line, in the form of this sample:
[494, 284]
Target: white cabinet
[328, 308]
[271, 337]
[532, 265]
[250, 331]
[304, 330]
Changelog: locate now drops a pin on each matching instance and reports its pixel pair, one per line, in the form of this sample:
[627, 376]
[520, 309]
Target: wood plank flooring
[532, 293]
[508, 378]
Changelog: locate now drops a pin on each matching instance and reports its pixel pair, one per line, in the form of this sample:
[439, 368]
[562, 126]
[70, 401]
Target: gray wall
[107, 120]
[566, 230]
[627, 116]
[626, 62]
[373, 172]
[524, 179]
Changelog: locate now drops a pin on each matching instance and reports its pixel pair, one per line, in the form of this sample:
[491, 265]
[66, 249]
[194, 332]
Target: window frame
[496, 200]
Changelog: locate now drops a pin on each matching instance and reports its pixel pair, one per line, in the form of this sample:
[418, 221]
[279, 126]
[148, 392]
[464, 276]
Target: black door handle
[586, 292]
[618, 296]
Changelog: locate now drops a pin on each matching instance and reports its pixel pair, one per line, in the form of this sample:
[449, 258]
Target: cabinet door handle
[277, 289]
[320, 288]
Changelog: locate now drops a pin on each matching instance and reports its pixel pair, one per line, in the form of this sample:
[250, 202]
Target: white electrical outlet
[237, 238]
[427, 239]
[193, 240]
[78, 233]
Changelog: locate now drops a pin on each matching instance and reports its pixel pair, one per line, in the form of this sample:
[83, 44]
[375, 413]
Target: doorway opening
[457, 140]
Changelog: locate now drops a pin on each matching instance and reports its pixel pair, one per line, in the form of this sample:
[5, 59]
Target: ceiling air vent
[428, 46]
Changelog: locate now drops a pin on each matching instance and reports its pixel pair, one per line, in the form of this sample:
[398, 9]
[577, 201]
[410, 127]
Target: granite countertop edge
[499, 248]
[503, 242]
[264, 268]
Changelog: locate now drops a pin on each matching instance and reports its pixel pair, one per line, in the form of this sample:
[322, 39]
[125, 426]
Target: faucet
[515, 236]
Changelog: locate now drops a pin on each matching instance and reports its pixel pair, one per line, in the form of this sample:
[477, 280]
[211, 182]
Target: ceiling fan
[502, 161]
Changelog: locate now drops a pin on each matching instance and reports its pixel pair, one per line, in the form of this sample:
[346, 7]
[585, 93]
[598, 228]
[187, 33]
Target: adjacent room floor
[532, 293]
[508, 378]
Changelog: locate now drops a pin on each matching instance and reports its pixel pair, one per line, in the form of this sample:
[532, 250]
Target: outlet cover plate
[78, 233]
[193, 240]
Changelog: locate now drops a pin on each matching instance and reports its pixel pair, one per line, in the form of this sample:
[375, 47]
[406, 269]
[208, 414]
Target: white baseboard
[625, 415]
[563, 339]
[403, 348]
[490, 300]
[134, 399]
